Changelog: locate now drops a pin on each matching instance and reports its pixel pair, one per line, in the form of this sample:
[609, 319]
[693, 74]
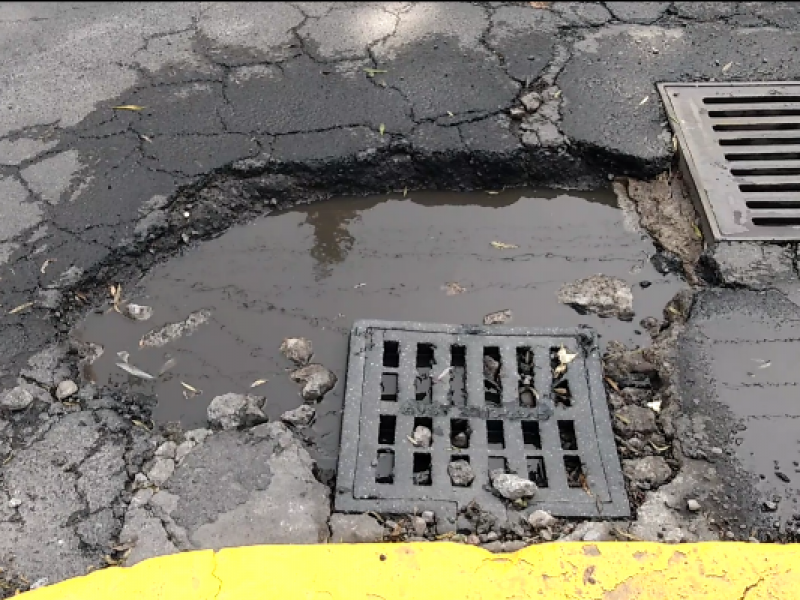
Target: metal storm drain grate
[740, 144]
[490, 398]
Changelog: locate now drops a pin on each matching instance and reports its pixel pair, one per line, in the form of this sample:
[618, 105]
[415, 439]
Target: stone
[297, 350]
[531, 101]
[172, 331]
[769, 506]
[198, 435]
[541, 519]
[546, 535]
[428, 516]
[693, 505]
[590, 531]
[14, 503]
[161, 471]
[355, 529]
[599, 294]
[167, 450]
[461, 473]
[422, 437]
[513, 487]
[137, 312]
[316, 379]
[66, 389]
[652, 471]
[232, 411]
[420, 526]
[631, 420]
[183, 450]
[472, 540]
[300, 416]
[140, 481]
[41, 582]
[17, 398]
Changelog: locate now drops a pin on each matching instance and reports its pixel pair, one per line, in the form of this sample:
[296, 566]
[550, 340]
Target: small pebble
[693, 505]
[473, 540]
[546, 535]
[66, 389]
[14, 503]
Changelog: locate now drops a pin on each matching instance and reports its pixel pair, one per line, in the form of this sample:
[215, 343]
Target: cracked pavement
[250, 107]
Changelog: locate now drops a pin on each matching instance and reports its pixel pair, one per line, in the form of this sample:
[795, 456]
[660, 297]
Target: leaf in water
[453, 288]
[766, 365]
[381, 129]
[171, 362]
[190, 388]
[46, 263]
[450, 114]
[492, 193]
[727, 67]
[136, 372]
[258, 382]
[565, 357]
[128, 107]
[644, 100]
[504, 246]
[373, 72]
[359, 285]
[20, 308]
[405, 192]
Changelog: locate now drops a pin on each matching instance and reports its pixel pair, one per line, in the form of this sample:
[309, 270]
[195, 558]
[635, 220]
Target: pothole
[312, 271]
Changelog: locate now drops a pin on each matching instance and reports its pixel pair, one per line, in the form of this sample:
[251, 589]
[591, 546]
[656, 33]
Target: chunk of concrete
[355, 529]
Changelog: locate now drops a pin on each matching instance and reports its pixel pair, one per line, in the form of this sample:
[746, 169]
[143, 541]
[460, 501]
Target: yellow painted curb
[578, 570]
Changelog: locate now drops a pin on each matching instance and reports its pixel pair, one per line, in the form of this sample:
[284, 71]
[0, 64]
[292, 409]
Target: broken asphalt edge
[646, 571]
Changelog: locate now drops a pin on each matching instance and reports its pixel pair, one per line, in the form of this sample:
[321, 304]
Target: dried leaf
[46, 263]
[135, 371]
[559, 370]
[258, 382]
[124, 356]
[497, 318]
[443, 374]
[655, 405]
[110, 561]
[381, 129]
[503, 246]
[659, 448]
[453, 288]
[565, 357]
[644, 100]
[766, 365]
[128, 107]
[145, 138]
[20, 308]
[624, 419]
[140, 424]
[373, 72]
[8, 458]
[561, 391]
[492, 193]
[191, 388]
[405, 192]
[727, 67]
[557, 94]
[449, 114]
[612, 384]
[674, 143]
[359, 285]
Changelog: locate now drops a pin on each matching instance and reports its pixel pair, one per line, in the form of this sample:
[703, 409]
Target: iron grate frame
[739, 148]
[357, 489]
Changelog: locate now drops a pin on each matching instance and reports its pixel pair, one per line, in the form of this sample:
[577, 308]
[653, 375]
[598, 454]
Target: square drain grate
[490, 398]
[740, 148]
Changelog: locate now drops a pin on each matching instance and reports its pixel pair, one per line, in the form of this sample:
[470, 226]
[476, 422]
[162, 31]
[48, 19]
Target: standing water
[312, 271]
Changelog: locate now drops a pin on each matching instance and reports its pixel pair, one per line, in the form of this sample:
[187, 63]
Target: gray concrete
[274, 99]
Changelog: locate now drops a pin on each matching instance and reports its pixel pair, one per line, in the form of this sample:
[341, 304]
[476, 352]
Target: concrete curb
[611, 570]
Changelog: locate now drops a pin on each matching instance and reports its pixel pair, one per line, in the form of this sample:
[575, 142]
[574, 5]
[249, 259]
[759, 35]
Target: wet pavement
[312, 271]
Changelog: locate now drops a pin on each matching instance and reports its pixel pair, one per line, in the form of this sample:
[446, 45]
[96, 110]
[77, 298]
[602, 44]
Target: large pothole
[311, 271]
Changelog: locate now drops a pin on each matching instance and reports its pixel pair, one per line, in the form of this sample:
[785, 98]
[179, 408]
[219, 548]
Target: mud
[312, 271]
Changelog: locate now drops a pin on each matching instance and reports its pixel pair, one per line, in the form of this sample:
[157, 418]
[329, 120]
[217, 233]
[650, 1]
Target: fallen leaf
[644, 100]
[659, 448]
[381, 129]
[145, 138]
[560, 370]
[624, 419]
[565, 357]
[359, 285]
[612, 384]
[492, 193]
[128, 107]
[258, 382]
[373, 72]
[561, 391]
[449, 114]
[766, 365]
[503, 246]
[140, 424]
[453, 288]
[444, 374]
[727, 67]
[46, 263]
[497, 318]
[698, 234]
[405, 192]
[674, 143]
[110, 561]
[412, 440]
[20, 308]
[135, 371]
[191, 388]
[8, 458]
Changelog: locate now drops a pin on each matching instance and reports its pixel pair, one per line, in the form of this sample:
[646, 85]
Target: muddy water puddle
[314, 270]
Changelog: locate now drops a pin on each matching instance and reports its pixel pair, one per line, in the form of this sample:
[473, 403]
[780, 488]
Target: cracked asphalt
[242, 109]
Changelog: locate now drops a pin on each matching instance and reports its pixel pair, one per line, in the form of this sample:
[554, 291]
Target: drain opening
[384, 471]
[387, 429]
[458, 375]
[566, 434]
[495, 435]
[459, 433]
[537, 472]
[389, 387]
[575, 475]
[422, 469]
[492, 365]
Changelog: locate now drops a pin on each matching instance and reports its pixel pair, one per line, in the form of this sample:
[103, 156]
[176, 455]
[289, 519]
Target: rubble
[172, 331]
[599, 294]
[461, 473]
[541, 519]
[298, 350]
[231, 411]
[316, 379]
[300, 416]
[17, 398]
[512, 487]
[648, 472]
[137, 312]
[66, 389]
[355, 529]
[422, 437]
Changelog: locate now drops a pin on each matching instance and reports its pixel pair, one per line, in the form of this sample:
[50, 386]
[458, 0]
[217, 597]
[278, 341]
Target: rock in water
[316, 379]
[297, 350]
[231, 411]
[605, 296]
[512, 486]
[299, 417]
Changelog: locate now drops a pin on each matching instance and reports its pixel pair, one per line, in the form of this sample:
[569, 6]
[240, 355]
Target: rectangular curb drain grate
[557, 433]
[740, 144]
